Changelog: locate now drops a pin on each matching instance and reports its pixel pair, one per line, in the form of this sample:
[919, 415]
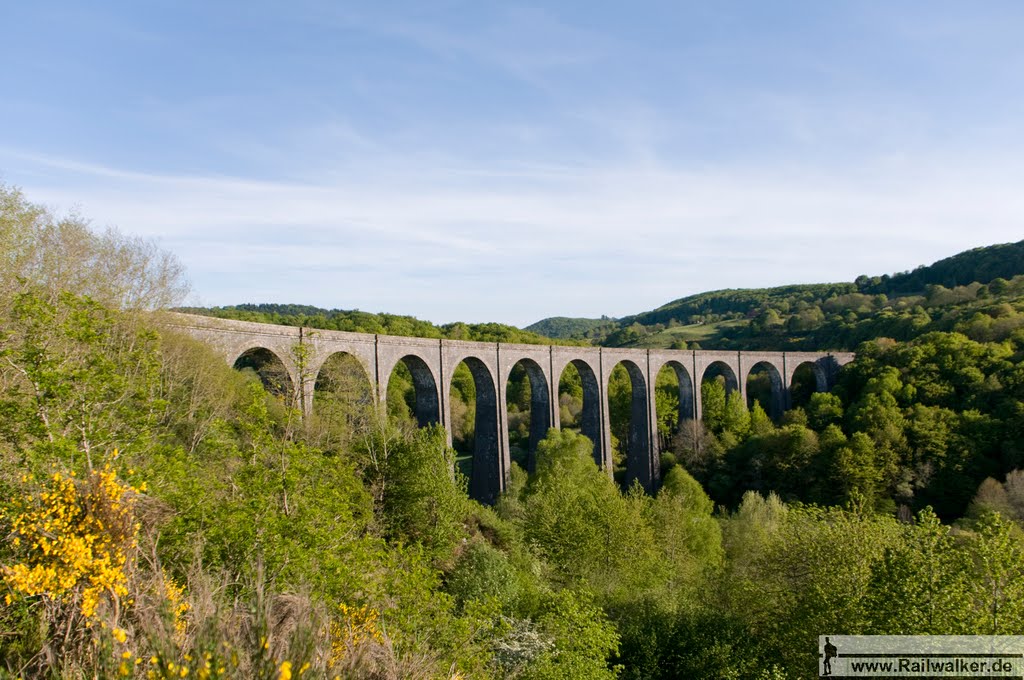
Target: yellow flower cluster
[205, 667]
[179, 607]
[358, 625]
[73, 536]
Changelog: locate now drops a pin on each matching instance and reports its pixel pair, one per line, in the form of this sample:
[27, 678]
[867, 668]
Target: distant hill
[570, 327]
[981, 265]
[822, 316]
[736, 303]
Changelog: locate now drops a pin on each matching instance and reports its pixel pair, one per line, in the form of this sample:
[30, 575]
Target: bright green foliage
[813, 576]
[747, 534]
[78, 378]
[579, 522]
[620, 410]
[417, 494]
[463, 408]
[925, 423]
[689, 538]
[760, 423]
[824, 409]
[343, 404]
[666, 404]
[858, 470]
[737, 417]
[401, 397]
[482, 572]
[713, 402]
[583, 639]
[997, 589]
[921, 586]
[570, 397]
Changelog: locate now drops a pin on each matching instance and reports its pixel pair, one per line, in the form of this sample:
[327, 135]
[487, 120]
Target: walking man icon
[830, 653]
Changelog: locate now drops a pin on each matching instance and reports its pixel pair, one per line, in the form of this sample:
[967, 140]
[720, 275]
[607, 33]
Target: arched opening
[764, 386]
[529, 414]
[719, 370]
[412, 395]
[579, 404]
[271, 371]
[473, 403]
[808, 378]
[342, 402]
[627, 413]
[674, 405]
[716, 384]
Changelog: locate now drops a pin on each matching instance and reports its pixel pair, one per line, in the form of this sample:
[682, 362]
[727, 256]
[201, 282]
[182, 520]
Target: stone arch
[798, 390]
[721, 368]
[344, 374]
[540, 408]
[271, 370]
[776, 398]
[687, 403]
[486, 477]
[590, 417]
[637, 448]
[428, 405]
[323, 377]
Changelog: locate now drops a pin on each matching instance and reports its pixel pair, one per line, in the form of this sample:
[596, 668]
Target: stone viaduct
[432, 364]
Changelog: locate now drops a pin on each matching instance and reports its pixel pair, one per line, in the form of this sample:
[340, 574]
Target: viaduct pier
[432, 364]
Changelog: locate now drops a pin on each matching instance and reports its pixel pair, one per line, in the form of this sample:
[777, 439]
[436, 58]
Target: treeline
[365, 322]
[944, 296]
[910, 425]
[979, 265]
[801, 320]
[564, 327]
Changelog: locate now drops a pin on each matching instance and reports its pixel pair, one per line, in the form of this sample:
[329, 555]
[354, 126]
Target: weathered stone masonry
[432, 364]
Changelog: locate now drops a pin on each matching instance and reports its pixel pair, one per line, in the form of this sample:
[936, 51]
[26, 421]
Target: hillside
[956, 293]
[982, 265]
[572, 327]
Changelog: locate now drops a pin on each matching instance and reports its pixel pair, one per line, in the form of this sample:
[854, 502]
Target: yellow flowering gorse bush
[74, 537]
[177, 604]
[357, 627]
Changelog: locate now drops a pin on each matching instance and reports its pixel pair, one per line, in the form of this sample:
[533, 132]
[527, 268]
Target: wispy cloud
[526, 43]
[612, 240]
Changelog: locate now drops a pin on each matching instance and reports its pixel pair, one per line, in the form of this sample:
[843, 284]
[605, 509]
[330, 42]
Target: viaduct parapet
[432, 364]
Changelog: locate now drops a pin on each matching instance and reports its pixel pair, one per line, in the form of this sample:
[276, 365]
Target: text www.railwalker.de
[934, 665]
[933, 656]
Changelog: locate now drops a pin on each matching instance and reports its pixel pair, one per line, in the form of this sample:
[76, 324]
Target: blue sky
[506, 162]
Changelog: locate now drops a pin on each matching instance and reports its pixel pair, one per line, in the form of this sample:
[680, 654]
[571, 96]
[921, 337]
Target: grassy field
[706, 334]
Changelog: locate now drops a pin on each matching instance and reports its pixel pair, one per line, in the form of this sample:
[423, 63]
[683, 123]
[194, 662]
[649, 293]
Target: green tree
[737, 417]
[921, 586]
[997, 590]
[417, 493]
[77, 377]
[689, 537]
[713, 405]
[824, 409]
